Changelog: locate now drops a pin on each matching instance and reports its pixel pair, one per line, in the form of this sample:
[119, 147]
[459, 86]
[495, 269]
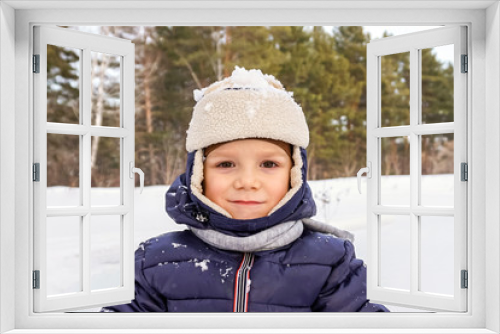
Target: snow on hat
[248, 104]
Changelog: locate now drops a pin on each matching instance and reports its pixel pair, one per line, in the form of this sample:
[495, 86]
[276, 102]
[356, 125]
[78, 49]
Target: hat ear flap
[296, 180]
[197, 184]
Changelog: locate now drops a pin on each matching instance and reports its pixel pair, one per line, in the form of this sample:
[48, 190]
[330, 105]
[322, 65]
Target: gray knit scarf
[274, 237]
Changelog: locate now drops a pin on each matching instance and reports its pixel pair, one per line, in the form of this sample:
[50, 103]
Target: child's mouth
[247, 202]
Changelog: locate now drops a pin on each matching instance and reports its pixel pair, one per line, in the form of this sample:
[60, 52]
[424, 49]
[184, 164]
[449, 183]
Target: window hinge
[36, 63]
[465, 279]
[36, 172]
[36, 279]
[465, 64]
[464, 172]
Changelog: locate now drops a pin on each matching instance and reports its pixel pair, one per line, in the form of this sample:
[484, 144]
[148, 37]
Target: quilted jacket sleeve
[146, 299]
[345, 288]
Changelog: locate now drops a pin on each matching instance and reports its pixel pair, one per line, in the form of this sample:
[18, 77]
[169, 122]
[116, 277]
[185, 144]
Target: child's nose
[247, 179]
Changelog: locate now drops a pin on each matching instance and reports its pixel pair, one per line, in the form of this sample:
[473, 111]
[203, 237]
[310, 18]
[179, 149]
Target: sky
[378, 31]
[444, 54]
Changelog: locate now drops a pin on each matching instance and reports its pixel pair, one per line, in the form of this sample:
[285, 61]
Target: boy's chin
[248, 215]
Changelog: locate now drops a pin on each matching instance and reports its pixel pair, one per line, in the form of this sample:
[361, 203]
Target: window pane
[437, 84]
[63, 84]
[105, 257]
[105, 171]
[437, 170]
[436, 254]
[395, 171]
[395, 86]
[106, 72]
[395, 252]
[63, 170]
[63, 255]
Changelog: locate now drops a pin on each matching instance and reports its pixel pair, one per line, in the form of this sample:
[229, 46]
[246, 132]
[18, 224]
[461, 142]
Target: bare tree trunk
[349, 169]
[174, 162]
[405, 161]
[219, 59]
[217, 39]
[391, 159]
[227, 56]
[394, 160]
[191, 71]
[99, 107]
[173, 149]
[310, 156]
[168, 158]
[167, 171]
[148, 65]
[350, 164]
[149, 129]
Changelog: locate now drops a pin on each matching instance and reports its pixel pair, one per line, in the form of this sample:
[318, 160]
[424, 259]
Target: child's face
[247, 177]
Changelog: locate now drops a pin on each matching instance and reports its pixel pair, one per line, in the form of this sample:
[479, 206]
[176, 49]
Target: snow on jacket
[178, 272]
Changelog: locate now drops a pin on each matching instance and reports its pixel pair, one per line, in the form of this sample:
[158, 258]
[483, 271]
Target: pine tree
[189, 60]
[63, 95]
[325, 70]
[350, 43]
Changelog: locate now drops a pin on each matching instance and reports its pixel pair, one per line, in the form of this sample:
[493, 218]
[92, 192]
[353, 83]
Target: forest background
[325, 70]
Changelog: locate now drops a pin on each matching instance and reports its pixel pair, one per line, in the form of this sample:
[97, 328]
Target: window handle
[368, 171]
[138, 171]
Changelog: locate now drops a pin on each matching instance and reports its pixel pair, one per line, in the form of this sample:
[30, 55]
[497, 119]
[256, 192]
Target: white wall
[492, 164]
[7, 159]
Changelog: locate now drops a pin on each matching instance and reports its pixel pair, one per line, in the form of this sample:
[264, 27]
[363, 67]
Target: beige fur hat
[248, 104]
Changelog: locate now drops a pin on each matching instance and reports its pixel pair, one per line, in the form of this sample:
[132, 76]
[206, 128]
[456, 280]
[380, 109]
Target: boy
[251, 245]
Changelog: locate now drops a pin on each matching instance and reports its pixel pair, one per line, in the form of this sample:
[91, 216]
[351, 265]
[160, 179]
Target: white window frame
[86, 44]
[483, 21]
[414, 210]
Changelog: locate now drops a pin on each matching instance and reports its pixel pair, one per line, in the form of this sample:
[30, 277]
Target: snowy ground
[338, 203]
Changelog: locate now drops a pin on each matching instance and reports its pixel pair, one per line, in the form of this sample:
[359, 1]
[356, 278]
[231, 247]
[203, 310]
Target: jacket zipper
[242, 283]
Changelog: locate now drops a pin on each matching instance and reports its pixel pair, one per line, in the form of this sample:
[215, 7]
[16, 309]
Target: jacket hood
[185, 208]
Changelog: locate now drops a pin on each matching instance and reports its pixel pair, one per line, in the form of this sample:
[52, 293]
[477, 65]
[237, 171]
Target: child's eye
[269, 164]
[225, 164]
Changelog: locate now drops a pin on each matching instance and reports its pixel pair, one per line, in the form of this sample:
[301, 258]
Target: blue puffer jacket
[178, 272]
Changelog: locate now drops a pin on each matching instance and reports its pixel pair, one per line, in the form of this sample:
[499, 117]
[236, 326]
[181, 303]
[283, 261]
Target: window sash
[85, 42]
[412, 43]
